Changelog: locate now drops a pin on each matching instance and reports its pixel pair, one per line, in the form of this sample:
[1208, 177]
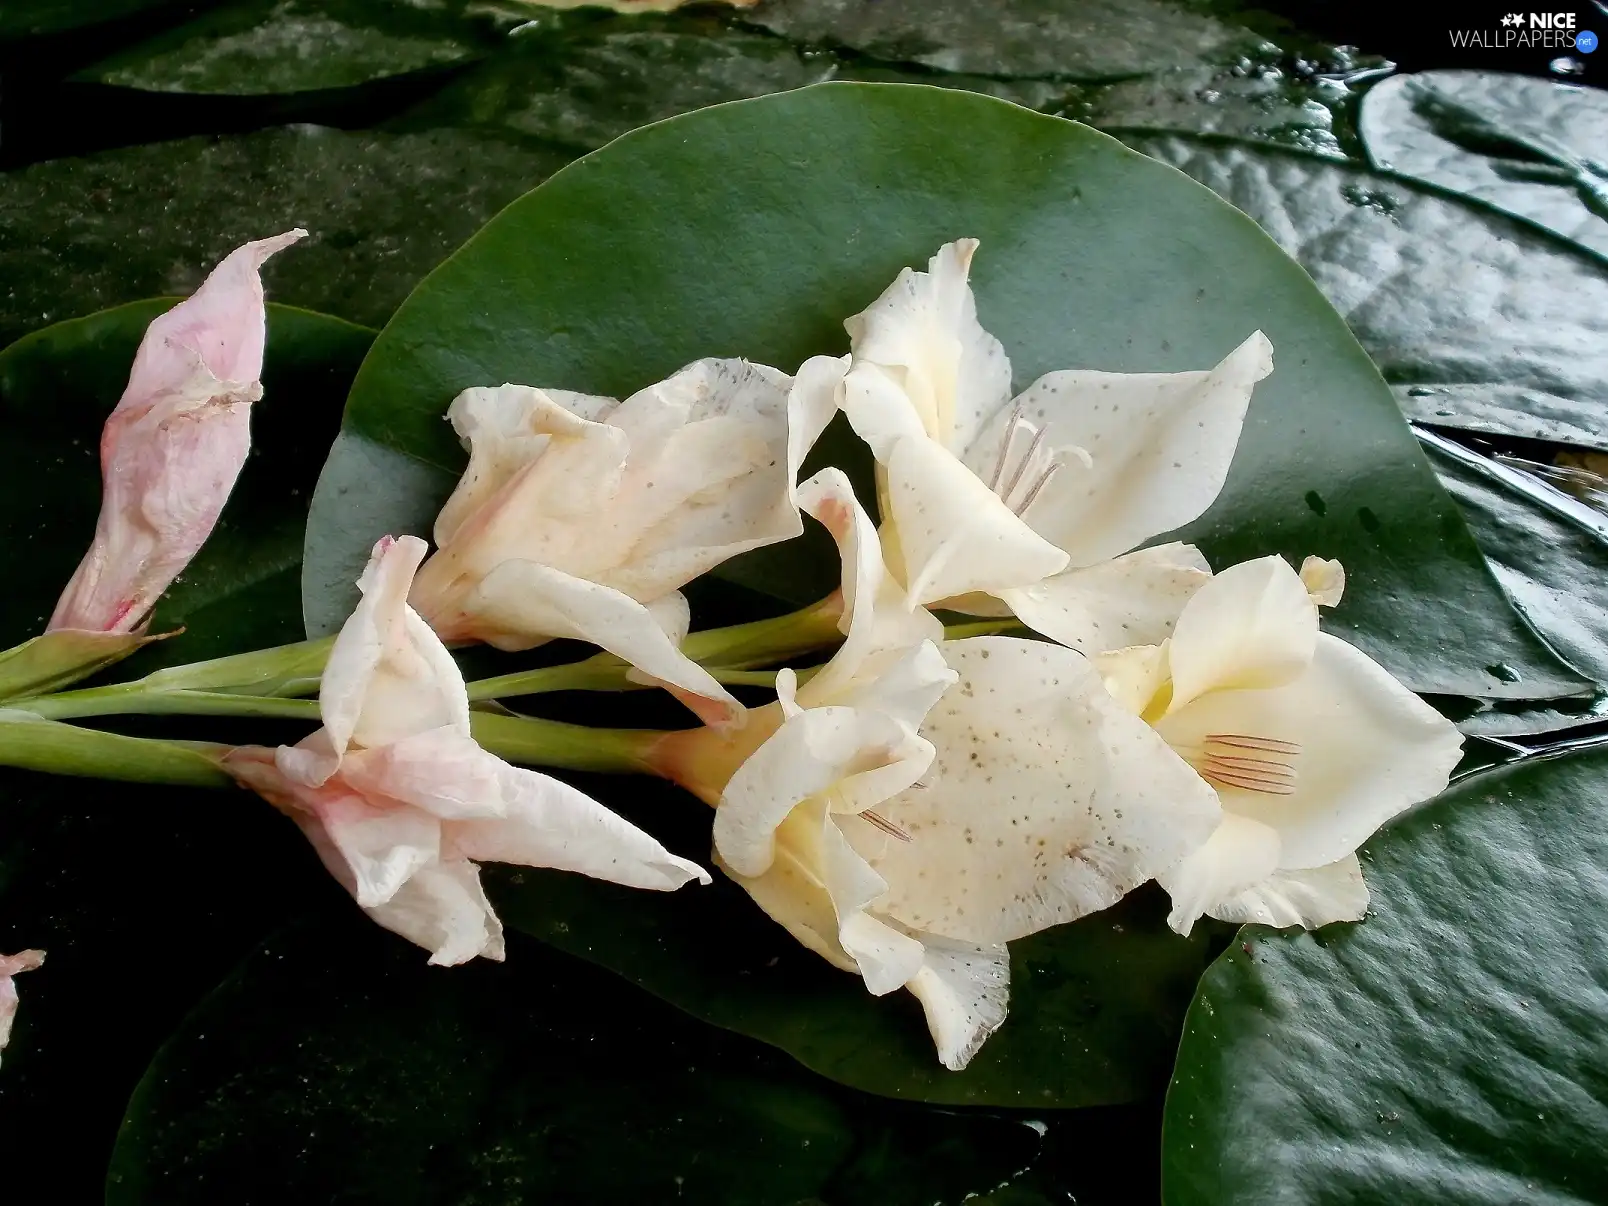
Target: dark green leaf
[143, 898]
[1550, 552]
[1095, 39]
[1095, 1006]
[33, 18]
[1451, 1050]
[1534, 148]
[56, 388]
[764, 250]
[383, 208]
[611, 77]
[257, 47]
[334, 1065]
[1456, 303]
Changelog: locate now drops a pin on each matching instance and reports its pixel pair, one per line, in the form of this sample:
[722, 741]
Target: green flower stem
[739, 647]
[959, 632]
[118, 700]
[285, 670]
[552, 743]
[31, 743]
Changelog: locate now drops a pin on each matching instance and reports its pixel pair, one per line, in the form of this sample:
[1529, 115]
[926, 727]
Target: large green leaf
[333, 1065]
[255, 47]
[1458, 304]
[56, 388]
[143, 898]
[21, 19]
[383, 210]
[1092, 40]
[1092, 256]
[1095, 1006]
[1534, 148]
[1451, 1050]
[1550, 552]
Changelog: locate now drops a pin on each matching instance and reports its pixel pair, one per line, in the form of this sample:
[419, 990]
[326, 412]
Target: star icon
[1513, 19]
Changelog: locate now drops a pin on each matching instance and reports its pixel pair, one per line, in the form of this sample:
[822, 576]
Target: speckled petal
[1134, 599]
[1335, 892]
[1049, 800]
[1160, 445]
[964, 991]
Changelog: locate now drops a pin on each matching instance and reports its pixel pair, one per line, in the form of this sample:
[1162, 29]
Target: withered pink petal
[171, 451]
[11, 965]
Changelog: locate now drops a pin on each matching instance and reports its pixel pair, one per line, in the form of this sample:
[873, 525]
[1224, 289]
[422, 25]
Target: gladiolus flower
[173, 447]
[1031, 506]
[1310, 745]
[583, 517]
[1049, 801]
[13, 965]
[402, 804]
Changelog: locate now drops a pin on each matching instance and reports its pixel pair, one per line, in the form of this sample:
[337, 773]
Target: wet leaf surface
[1452, 1049]
[1537, 149]
[1477, 320]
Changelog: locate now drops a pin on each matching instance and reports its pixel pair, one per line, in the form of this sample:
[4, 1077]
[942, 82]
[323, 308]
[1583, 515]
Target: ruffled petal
[1363, 750]
[820, 750]
[1252, 626]
[1049, 800]
[440, 771]
[520, 603]
[444, 909]
[389, 676]
[877, 615]
[1160, 446]
[791, 890]
[954, 533]
[1239, 854]
[964, 991]
[1312, 898]
[548, 823]
[919, 352]
[504, 430]
[13, 965]
[372, 848]
[1134, 599]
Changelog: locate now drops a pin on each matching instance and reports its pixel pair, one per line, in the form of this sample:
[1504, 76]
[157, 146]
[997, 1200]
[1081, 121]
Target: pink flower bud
[171, 451]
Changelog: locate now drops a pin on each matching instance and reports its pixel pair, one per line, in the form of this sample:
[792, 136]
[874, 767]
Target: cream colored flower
[1309, 743]
[903, 817]
[582, 517]
[402, 804]
[1033, 506]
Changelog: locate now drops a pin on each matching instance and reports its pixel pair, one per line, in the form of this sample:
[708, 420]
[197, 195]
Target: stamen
[1011, 426]
[887, 826]
[1249, 763]
[1027, 459]
[1038, 487]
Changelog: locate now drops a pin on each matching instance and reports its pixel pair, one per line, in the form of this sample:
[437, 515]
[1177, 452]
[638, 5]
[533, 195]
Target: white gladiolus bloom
[1033, 506]
[582, 517]
[904, 820]
[1309, 743]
